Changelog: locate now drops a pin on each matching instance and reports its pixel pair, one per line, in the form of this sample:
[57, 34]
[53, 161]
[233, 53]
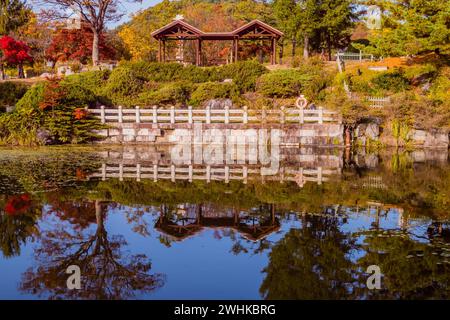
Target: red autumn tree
[70, 44]
[15, 53]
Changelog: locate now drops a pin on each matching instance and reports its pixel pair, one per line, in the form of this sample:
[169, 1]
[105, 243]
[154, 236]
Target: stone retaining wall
[295, 135]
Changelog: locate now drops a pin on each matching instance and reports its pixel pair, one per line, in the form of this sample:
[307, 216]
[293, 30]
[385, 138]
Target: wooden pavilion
[180, 30]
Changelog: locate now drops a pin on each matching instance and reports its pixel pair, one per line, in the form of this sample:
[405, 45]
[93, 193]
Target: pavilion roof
[173, 30]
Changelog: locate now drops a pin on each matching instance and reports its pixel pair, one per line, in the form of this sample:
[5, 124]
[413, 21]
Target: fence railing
[355, 56]
[373, 102]
[378, 102]
[211, 173]
[172, 115]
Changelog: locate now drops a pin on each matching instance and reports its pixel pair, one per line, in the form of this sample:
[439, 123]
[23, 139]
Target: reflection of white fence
[349, 56]
[189, 115]
[211, 173]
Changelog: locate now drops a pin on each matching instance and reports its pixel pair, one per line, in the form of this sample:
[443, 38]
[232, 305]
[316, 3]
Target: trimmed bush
[391, 81]
[168, 72]
[92, 80]
[283, 83]
[214, 90]
[171, 93]
[11, 92]
[243, 73]
[32, 98]
[123, 86]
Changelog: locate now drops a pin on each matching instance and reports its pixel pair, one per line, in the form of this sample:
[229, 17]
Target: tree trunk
[294, 45]
[21, 73]
[306, 47]
[329, 46]
[2, 72]
[95, 48]
[281, 53]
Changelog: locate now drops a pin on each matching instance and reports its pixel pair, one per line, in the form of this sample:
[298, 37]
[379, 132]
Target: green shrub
[167, 72]
[214, 90]
[53, 109]
[243, 73]
[391, 81]
[92, 80]
[11, 92]
[19, 127]
[123, 86]
[86, 88]
[171, 93]
[420, 71]
[440, 90]
[283, 83]
[32, 98]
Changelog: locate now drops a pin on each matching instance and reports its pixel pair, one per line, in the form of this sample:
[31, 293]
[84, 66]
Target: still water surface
[143, 224]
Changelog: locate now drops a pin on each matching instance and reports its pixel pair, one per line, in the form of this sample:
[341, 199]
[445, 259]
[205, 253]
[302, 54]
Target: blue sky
[134, 7]
[127, 7]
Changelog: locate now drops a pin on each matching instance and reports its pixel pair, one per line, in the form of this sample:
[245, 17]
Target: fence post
[319, 175]
[208, 174]
[103, 171]
[190, 115]
[320, 115]
[301, 115]
[190, 173]
[121, 172]
[155, 172]
[208, 114]
[360, 55]
[172, 173]
[282, 116]
[245, 116]
[227, 114]
[227, 174]
[264, 115]
[245, 174]
[138, 172]
[120, 114]
[138, 115]
[155, 115]
[172, 114]
[102, 114]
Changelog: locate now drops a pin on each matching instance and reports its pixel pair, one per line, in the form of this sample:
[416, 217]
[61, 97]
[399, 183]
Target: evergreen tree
[411, 27]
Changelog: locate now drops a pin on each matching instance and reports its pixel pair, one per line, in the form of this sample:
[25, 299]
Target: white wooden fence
[374, 102]
[378, 102]
[172, 115]
[354, 56]
[210, 173]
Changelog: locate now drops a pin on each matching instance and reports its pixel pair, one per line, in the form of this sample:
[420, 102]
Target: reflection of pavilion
[188, 220]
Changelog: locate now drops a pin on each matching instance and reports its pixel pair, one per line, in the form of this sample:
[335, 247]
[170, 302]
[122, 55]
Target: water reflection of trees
[311, 262]
[320, 261]
[412, 268]
[18, 222]
[107, 271]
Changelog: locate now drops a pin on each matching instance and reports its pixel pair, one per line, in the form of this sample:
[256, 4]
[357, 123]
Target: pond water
[159, 222]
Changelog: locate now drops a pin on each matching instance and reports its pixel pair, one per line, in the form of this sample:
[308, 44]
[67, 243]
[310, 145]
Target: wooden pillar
[159, 50]
[236, 49]
[274, 51]
[197, 52]
[163, 51]
[200, 52]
